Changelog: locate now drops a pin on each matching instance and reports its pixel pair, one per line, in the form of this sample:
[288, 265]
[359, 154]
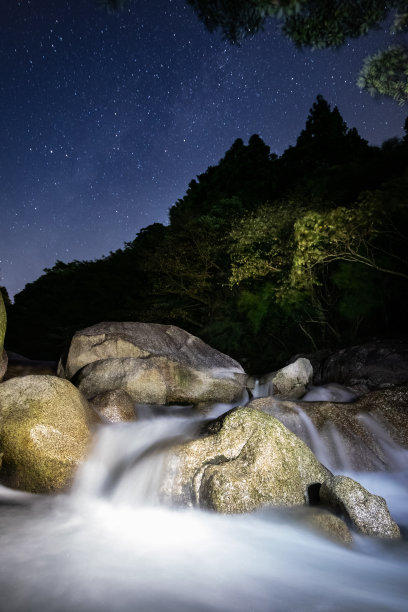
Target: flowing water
[110, 546]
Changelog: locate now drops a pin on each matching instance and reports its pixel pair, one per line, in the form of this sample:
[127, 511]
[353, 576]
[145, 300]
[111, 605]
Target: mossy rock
[44, 432]
[367, 513]
[246, 459]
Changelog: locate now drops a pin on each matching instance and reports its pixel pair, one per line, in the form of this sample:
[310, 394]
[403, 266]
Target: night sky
[105, 119]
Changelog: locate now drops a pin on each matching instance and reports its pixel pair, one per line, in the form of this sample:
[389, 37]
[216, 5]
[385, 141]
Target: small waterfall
[261, 389]
[127, 459]
[313, 438]
[397, 455]
[331, 392]
[350, 442]
[110, 546]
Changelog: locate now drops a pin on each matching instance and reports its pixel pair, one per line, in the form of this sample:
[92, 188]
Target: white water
[110, 547]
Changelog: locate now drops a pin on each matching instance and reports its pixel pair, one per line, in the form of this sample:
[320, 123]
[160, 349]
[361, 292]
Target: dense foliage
[263, 257]
[386, 73]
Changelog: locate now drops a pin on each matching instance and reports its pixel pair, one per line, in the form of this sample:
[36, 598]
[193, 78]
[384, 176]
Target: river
[110, 545]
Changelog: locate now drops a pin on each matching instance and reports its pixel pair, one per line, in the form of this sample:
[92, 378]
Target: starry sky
[106, 118]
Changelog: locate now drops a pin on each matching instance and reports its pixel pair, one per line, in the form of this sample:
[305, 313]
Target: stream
[109, 545]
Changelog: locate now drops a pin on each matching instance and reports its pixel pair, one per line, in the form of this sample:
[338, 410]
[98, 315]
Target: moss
[44, 432]
[247, 459]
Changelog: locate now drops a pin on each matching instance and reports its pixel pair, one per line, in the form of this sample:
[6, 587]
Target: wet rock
[329, 525]
[332, 392]
[291, 381]
[153, 363]
[369, 434]
[114, 406]
[245, 460]
[367, 513]
[366, 367]
[44, 432]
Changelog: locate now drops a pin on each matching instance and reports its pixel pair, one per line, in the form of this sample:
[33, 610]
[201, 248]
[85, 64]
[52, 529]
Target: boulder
[3, 323]
[114, 406]
[244, 460]
[290, 381]
[368, 434]
[158, 364]
[44, 432]
[367, 513]
[366, 367]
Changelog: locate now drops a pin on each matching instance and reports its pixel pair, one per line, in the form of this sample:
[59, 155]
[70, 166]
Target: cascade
[110, 545]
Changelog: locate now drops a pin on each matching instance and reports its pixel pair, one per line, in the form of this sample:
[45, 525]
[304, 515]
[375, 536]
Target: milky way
[107, 118]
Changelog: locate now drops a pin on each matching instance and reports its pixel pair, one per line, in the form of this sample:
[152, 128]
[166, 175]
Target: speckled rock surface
[367, 513]
[44, 432]
[365, 367]
[330, 525]
[156, 380]
[3, 323]
[347, 429]
[153, 363]
[290, 381]
[114, 406]
[246, 460]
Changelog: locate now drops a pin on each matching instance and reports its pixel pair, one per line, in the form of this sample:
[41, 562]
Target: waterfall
[127, 459]
[312, 437]
[398, 456]
[110, 545]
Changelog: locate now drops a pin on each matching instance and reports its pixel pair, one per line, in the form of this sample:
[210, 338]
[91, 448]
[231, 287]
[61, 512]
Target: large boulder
[44, 432]
[3, 323]
[367, 513]
[244, 460]
[366, 367]
[290, 381]
[157, 364]
[367, 434]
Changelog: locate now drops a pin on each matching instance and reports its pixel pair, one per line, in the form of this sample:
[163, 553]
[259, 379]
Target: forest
[264, 257]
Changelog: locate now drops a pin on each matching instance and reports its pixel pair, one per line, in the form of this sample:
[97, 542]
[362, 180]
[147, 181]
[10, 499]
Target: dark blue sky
[106, 119]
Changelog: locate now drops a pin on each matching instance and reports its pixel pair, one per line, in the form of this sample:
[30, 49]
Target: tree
[6, 297]
[343, 234]
[317, 24]
[386, 73]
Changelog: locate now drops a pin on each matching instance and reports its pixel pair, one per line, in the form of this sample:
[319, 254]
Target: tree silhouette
[317, 24]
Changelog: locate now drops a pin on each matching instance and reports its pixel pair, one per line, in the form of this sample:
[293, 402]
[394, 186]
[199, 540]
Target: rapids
[110, 546]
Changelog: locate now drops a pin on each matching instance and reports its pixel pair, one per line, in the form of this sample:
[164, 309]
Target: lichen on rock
[44, 432]
[244, 460]
[367, 513]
